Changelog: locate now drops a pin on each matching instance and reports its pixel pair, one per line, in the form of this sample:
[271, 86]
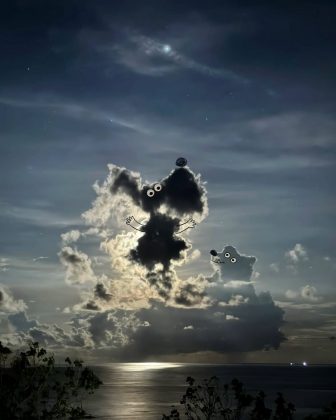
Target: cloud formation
[297, 254]
[142, 307]
[7, 302]
[306, 293]
[148, 56]
[232, 265]
[78, 266]
[165, 209]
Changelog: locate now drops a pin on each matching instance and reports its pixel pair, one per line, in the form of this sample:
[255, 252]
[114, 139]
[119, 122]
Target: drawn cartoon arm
[129, 221]
[135, 220]
[191, 224]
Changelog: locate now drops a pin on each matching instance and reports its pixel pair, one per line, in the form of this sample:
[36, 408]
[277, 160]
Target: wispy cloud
[73, 110]
[152, 57]
[37, 216]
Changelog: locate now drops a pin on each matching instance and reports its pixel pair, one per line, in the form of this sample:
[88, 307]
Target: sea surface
[145, 391]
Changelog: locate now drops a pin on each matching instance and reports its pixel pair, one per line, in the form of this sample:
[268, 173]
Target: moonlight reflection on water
[139, 367]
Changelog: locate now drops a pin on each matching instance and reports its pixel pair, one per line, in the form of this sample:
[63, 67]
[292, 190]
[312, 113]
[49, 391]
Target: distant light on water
[304, 364]
[140, 367]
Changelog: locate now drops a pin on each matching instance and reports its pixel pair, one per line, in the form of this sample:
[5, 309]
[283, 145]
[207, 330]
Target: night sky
[97, 101]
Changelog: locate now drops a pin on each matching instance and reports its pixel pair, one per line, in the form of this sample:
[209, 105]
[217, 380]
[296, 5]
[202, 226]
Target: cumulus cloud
[7, 302]
[142, 307]
[191, 294]
[100, 292]
[50, 335]
[78, 266]
[297, 254]
[248, 328]
[71, 236]
[160, 212]
[309, 293]
[306, 293]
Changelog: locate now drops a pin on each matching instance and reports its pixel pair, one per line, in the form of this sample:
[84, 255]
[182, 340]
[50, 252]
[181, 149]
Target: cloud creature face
[233, 266]
[181, 192]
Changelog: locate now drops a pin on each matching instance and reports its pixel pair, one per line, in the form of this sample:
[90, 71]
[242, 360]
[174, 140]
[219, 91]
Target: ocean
[145, 391]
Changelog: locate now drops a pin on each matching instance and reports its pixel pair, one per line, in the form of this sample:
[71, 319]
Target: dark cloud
[49, 335]
[77, 264]
[100, 292]
[159, 244]
[162, 280]
[126, 182]
[113, 329]
[190, 295]
[234, 266]
[248, 329]
[91, 306]
[180, 194]
[183, 192]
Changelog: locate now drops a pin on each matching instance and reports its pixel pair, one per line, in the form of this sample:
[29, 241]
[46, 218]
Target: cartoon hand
[192, 223]
[129, 220]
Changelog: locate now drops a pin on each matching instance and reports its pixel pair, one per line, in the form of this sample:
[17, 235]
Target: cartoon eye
[227, 255]
[233, 260]
[157, 187]
[150, 193]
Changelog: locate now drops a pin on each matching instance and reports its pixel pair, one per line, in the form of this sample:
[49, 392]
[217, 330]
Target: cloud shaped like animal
[232, 265]
[170, 205]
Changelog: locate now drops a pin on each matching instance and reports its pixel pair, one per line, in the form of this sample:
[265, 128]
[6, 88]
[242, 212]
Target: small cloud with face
[232, 265]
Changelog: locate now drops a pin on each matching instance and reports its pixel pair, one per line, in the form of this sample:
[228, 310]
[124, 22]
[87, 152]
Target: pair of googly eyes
[228, 255]
[151, 191]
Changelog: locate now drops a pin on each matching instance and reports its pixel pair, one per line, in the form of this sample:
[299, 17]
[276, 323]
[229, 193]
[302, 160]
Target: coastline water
[135, 391]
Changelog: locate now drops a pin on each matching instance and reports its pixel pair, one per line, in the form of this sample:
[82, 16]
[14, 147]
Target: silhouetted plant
[212, 400]
[34, 388]
[329, 413]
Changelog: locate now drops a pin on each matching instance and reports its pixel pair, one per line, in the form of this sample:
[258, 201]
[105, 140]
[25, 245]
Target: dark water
[144, 391]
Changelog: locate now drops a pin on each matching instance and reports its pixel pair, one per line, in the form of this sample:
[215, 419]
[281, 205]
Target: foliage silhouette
[33, 388]
[212, 400]
[329, 413]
